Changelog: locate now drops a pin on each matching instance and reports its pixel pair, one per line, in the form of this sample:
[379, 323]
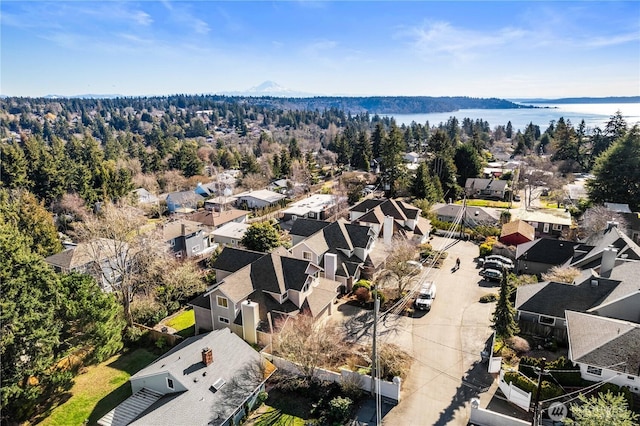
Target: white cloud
[442, 38]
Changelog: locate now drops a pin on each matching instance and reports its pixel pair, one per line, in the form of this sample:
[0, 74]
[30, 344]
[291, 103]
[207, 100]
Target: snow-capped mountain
[270, 88]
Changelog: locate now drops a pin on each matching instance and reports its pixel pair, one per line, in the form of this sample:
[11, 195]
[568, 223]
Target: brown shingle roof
[518, 227]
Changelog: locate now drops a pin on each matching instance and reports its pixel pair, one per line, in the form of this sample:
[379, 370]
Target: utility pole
[536, 407]
[375, 364]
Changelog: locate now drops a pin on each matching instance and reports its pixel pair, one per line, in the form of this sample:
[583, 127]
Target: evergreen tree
[261, 236]
[424, 185]
[503, 321]
[186, 160]
[468, 163]
[362, 154]
[617, 175]
[377, 139]
[509, 130]
[15, 169]
[602, 409]
[391, 152]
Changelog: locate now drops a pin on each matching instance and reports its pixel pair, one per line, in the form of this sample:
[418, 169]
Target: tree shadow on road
[475, 381]
[360, 326]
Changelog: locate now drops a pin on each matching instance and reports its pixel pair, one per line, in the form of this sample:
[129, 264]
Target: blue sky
[504, 49]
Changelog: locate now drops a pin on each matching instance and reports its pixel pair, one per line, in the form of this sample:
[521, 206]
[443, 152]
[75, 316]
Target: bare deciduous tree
[117, 248]
[595, 221]
[308, 343]
[538, 174]
[561, 274]
[397, 269]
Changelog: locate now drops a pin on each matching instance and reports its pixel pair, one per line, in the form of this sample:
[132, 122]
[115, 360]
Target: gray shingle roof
[549, 251]
[604, 342]
[234, 361]
[552, 299]
[307, 227]
[233, 259]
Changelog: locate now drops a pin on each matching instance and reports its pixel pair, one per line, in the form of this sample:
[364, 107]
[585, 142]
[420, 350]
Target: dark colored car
[491, 274]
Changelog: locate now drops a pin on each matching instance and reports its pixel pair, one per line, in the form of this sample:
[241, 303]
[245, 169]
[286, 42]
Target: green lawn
[100, 389]
[281, 409]
[486, 203]
[184, 323]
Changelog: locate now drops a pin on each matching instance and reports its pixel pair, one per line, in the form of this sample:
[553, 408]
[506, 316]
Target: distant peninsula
[584, 100]
[383, 104]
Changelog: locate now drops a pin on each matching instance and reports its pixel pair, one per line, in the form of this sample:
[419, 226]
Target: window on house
[630, 378]
[546, 320]
[222, 302]
[306, 255]
[223, 320]
[234, 242]
[305, 288]
[545, 228]
[173, 243]
[557, 227]
[594, 370]
[169, 383]
[195, 249]
[285, 296]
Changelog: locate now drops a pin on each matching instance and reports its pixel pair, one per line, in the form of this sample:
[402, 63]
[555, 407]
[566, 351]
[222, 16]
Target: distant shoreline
[582, 100]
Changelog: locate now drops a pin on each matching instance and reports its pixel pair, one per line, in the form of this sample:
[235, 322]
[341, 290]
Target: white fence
[388, 390]
[514, 394]
[495, 362]
[481, 417]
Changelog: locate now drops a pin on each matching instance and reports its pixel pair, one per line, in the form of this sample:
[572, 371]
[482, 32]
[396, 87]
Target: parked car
[414, 265]
[426, 296]
[491, 274]
[494, 264]
[508, 263]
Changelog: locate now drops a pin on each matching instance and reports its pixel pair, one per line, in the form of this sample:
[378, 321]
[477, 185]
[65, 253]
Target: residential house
[633, 226]
[605, 349]
[302, 229]
[210, 379]
[547, 222]
[273, 286]
[341, 248]
[212, 219]
[183, 201]
[516, 232]
[145, 197]
[317, 206]
[401, 219]
[220, 203]
[617, 207]
[538, 256]
[470, 216]
[208, 189]
[230, 234]
[233, 259]
[101, 258]
[258, 199]
[612, 239]
[545, 303]
[494, 189]
[187, 238]
[411, 157]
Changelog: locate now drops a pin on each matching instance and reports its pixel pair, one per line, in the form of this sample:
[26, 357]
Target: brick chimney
[207, 356]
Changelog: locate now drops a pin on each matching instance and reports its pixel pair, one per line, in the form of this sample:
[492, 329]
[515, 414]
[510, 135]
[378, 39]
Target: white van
[426, 296]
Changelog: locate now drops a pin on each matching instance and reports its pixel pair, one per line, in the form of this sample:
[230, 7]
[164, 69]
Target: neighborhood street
[447, 342]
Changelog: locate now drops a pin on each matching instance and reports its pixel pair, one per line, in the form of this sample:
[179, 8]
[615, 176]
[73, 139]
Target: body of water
[594, 115]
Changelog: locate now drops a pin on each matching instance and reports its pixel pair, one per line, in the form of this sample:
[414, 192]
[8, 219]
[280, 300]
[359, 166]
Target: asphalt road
[447, 341]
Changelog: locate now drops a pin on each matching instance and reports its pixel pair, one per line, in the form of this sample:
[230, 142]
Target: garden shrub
[487, 247]
[362, 294]
[490, 297]
[548, 390]
[572, 378]
[339, 409]
[262, 397]
[147, 311]
[518, 344]
[615, 389]
[360, 284]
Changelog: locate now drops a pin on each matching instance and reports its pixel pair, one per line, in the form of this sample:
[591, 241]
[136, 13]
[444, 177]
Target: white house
[258, 199]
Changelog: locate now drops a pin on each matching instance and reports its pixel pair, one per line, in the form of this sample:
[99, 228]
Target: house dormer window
[170, 383]
[306, 255]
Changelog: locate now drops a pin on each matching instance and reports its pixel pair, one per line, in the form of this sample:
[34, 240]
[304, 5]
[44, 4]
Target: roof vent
[217, 385]
[594, 283]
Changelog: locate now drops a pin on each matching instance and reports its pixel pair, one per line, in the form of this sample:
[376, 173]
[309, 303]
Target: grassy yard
[281, 410]
[486, 203]
[184, 323]
[100, 389]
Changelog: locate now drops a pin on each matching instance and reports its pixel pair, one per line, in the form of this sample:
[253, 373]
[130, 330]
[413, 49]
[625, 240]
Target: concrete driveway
[446, 342]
